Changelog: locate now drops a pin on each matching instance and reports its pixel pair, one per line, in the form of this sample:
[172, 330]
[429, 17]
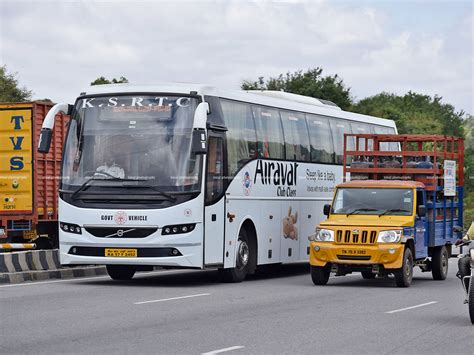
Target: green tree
[414, 113]
[309, 83]
[10, 91]
[102, 80]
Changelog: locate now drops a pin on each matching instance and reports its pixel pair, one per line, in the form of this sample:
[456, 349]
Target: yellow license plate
[354, 252]
[121, 253]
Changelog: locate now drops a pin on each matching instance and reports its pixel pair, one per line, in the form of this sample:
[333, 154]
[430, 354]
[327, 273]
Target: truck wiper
[361, 210]
[392, 210]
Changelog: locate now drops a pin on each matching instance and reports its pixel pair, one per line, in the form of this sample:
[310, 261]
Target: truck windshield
[146, 139]
[373, 201]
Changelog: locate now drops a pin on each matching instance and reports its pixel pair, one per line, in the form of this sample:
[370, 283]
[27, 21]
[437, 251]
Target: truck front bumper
[388, 255]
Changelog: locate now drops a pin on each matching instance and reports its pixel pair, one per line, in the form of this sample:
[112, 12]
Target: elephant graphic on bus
[290, 231]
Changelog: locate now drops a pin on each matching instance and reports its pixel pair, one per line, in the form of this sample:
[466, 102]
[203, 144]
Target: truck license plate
[121, 253]
[354, 252]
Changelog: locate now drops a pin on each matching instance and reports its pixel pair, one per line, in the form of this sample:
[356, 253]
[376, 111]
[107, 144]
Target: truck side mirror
[326, 210]
[199, 143]
[422, 211]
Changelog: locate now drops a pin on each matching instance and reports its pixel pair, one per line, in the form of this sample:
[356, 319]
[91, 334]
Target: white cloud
[60, 47]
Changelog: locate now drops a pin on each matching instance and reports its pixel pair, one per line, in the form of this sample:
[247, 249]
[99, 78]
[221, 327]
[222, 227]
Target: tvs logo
[120, 217]
[247, 183]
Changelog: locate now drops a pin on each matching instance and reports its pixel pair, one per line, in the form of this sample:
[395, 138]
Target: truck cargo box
[28, 180]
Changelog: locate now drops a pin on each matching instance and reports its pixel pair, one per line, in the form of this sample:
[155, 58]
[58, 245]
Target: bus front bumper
[388, 255]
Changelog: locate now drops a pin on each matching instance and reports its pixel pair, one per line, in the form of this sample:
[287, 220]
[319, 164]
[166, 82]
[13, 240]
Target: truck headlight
[393, 236]
[324, 235]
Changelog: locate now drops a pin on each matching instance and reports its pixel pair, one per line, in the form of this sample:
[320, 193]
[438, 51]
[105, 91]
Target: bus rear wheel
[320, 275]
[243, 252]
[121, 272]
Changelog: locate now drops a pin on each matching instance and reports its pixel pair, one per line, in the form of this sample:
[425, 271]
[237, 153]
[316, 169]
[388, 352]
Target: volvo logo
[119, 233]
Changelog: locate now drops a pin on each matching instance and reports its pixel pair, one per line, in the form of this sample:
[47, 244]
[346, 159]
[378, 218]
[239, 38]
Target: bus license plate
[354, 252]
[121, 253]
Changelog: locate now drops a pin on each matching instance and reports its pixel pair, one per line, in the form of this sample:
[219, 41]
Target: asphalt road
[189, 312]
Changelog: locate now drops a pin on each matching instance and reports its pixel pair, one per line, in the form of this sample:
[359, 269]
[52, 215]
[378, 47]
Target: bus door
[214, 213]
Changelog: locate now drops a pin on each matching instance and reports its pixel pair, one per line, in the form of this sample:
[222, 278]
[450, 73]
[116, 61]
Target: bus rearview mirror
[199, 143]
[326, 210]
[45, 140]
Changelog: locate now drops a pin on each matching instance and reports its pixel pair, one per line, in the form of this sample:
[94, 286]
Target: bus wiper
[361, 210]
[392, 210]
[95, 178]
[165, 194]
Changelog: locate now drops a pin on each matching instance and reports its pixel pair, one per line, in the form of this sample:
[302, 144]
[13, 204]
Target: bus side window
[270, 143]
[241, 136]
[322, 150]
[296, 136]
[214, 176]
[338, 128]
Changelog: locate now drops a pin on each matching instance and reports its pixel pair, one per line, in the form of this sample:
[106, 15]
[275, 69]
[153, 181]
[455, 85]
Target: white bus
[190, 176]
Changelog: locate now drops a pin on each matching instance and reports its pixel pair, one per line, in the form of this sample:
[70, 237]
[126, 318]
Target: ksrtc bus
[190, 176]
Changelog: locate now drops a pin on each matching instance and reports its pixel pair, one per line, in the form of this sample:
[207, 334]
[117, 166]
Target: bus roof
[383, 183]
[268, 98]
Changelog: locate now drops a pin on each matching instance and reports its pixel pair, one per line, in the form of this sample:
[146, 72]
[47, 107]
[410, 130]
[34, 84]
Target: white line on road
[150, 273]
[407, 308]
[223, 350]
[173, 298]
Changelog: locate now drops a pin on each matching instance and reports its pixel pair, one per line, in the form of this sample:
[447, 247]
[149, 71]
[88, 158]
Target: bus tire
[471, 298]
[368, 275]
[320, 275]
[439, 262]
[404, 275]
[121, 272]
[243, 252]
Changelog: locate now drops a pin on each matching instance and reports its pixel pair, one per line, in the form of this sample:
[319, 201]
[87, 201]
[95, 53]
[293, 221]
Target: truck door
[421, 241]
[214, 213]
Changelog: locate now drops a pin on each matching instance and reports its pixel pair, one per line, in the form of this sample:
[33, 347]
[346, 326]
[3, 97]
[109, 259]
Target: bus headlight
[392, 236]
[70, 228]
[324, 235]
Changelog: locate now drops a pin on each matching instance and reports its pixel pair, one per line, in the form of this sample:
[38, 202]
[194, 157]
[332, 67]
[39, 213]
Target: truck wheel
[368, 275]
[238, 273]
[471, 298]
[404, 275]
[121, 272]
[439, 262]
[320, 275]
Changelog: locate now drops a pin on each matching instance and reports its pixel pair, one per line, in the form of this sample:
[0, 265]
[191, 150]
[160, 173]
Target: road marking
[223, 350]
[151, 273]
[412, 307]
[174, 298]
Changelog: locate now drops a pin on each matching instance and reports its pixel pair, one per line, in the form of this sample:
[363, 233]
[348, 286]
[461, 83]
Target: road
[190, 312]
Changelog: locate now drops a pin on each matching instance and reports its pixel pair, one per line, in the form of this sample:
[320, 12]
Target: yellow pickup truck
[380, 227]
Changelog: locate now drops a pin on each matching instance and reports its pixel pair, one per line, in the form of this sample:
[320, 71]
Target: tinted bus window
[296, 136]
[338, 128]
[362, 128]
[270, 142]
[241, 138]
[386, 130]
[320, 137]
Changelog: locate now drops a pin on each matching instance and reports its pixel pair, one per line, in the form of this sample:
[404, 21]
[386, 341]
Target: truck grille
[356, 236]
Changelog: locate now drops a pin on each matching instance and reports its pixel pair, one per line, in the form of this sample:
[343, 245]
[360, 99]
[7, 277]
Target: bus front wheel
[239, 272]
[121, 272]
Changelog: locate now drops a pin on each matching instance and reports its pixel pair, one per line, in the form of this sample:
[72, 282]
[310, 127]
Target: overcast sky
[59, 47]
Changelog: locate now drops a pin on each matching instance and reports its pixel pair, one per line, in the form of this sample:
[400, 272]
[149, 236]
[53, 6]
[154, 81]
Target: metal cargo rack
[412, 157]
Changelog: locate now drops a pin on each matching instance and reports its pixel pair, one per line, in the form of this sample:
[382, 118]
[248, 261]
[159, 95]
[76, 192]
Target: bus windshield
[146, 139]
[378, 201]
